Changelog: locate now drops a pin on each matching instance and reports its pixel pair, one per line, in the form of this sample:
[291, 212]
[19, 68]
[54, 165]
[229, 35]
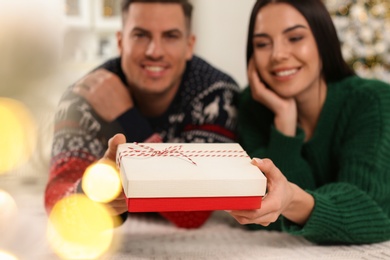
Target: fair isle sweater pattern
[204, 110]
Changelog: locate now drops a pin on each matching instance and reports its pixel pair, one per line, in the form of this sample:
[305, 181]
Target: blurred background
[45, 45]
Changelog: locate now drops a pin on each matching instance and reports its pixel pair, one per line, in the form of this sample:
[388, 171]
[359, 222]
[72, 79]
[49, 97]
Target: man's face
[155, 44]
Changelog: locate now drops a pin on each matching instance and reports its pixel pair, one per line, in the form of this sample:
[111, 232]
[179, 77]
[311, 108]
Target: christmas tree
[363, 28]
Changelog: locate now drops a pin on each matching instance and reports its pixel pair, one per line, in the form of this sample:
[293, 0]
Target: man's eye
[172, 36]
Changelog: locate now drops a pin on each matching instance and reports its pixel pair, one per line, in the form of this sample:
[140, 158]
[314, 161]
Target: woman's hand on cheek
[285, 109]
[259, 91]
[279, 196]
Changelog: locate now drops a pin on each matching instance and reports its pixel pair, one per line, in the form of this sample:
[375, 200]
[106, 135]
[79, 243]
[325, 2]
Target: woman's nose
[280, 52]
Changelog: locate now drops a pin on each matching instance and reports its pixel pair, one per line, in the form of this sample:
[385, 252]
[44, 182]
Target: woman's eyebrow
[294, 27]
[289, 29]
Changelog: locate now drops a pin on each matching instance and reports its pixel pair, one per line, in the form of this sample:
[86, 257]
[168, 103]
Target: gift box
[158, 177]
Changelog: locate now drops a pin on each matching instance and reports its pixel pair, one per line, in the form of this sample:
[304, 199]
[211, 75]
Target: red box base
[192, 204]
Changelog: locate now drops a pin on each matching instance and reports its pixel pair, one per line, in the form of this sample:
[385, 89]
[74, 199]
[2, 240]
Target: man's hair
[317, 16]
[185, 4]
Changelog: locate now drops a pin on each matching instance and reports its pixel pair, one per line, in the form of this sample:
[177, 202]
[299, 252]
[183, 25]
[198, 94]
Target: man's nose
[155, 49]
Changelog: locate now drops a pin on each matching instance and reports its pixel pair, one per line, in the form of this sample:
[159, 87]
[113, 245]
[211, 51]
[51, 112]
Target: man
[156, 91]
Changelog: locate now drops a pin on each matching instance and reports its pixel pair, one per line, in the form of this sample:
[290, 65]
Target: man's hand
[118, 205]
[113, 143]
[105, 92]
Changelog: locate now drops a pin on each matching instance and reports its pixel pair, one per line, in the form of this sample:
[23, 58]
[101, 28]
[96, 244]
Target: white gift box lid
[153, 170]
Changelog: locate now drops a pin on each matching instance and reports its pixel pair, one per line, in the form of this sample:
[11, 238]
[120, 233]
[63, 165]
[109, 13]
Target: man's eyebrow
[173, 31]
[140, 29]
[284, 31]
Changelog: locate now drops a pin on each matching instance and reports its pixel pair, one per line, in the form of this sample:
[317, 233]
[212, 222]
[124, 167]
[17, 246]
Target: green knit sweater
[345, 165]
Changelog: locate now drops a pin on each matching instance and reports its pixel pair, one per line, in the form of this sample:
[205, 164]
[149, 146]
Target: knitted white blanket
[151, 237]
[221, 238]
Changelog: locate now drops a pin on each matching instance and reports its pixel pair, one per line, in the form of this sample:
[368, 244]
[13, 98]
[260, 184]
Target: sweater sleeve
[76, 144]
[261, 139]
[355, 207]
[349, 180]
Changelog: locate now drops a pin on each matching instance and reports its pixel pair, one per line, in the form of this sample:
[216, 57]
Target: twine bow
[171, 151]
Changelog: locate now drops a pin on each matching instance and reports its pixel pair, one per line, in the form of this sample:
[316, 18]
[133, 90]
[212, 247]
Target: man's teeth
[286, 72]
[154, 68]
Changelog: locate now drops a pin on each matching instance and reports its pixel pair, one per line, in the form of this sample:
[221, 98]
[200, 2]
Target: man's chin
[155, 90]
[158, 90]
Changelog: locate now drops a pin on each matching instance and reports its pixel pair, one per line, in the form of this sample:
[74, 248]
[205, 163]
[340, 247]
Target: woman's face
[285, 51]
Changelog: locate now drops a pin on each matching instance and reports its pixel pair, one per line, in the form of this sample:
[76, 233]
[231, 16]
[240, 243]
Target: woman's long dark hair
[334, 66]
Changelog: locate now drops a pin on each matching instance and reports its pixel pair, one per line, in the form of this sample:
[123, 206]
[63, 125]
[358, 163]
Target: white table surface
[150, 237]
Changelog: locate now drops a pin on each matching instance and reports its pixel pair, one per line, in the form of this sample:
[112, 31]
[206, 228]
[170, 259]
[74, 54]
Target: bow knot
[174, 151]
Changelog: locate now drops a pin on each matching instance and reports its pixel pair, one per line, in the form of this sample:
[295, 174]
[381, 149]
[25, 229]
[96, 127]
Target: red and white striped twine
[175, 151]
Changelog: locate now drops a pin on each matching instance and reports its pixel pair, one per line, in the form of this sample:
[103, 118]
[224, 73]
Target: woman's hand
[282, 198]
[285, 110]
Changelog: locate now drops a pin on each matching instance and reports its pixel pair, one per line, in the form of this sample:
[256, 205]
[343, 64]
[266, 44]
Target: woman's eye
[295, 39]
[260, 44]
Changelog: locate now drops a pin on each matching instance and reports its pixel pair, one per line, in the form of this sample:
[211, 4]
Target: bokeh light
[101, 181]
[7, 256]
[80, 228]
[17, 134]
[8, 212]
[30, 42]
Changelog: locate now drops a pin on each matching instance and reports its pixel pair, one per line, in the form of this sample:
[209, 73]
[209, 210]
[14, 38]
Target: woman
[326, 130]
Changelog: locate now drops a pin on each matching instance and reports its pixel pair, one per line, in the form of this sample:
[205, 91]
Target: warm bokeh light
[17, 134]
[101, 181]
[80, 228]
[30, 42]
[6, 256]
[8, 212]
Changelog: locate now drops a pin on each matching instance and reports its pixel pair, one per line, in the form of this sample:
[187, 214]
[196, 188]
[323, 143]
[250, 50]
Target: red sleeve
[65, 175]
[191, 219]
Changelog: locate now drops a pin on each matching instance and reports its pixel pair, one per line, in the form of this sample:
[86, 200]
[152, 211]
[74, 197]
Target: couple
[325, 131]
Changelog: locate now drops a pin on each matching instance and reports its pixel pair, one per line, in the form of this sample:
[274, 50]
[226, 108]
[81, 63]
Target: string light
[109, 8]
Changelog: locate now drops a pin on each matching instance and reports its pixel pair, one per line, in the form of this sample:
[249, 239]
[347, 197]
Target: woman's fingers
[254, 217]
[268, 168]
[273, 203]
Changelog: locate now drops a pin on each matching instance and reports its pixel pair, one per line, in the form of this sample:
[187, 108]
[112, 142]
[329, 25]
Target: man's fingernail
[257, 161]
